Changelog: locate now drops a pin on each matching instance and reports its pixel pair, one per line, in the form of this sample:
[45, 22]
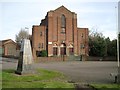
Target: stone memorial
[25, 60]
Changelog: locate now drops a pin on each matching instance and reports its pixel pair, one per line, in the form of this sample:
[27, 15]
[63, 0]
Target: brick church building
[58, 34]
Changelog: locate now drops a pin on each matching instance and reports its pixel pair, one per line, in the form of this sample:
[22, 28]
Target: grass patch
[106, 86]
[0, 79]
[43, 79]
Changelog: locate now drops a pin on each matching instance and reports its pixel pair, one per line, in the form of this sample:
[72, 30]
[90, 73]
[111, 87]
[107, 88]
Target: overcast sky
[95, 15]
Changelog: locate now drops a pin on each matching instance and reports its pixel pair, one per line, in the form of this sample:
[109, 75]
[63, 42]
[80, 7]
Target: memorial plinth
[25, 63]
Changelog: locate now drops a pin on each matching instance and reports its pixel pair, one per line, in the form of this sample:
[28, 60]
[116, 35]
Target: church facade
[58, 34]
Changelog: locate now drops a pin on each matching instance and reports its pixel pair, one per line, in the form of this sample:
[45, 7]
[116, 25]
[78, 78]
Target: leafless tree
[23, 34]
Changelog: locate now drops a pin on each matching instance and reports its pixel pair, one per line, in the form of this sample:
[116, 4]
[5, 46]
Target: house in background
[9, 48]
[1, 50]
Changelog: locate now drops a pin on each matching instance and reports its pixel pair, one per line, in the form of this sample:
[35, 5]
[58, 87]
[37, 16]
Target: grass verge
[106, 86]
[43, 79]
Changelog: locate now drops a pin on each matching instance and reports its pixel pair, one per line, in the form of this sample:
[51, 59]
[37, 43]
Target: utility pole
[118, 32]
[27, 29]
[117, 28]
[80, 52]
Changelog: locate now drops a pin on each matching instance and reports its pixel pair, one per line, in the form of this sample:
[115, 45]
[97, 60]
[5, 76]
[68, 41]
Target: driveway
[77, 71]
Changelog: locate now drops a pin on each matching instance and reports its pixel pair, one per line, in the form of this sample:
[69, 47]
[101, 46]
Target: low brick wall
[74, 58]
[47, 59]
[60, 58]
[90, 58]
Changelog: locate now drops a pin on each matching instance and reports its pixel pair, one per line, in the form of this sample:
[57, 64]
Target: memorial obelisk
[25, 63]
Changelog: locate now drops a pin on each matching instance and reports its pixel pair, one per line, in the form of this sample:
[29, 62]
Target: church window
[63, 21]
[63, 24]
[39, 45]
[42, 45]
[40, 33]
[63, 30]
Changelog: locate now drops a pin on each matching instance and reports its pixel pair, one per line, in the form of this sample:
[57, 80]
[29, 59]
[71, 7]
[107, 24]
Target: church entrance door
[63, 49]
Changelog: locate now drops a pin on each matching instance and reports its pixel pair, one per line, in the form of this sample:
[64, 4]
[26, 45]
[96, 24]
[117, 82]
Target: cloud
[90, 14]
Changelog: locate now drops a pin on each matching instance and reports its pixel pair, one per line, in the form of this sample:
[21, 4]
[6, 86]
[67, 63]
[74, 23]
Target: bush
[43, 53]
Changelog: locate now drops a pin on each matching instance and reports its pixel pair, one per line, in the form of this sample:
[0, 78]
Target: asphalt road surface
[76, 71]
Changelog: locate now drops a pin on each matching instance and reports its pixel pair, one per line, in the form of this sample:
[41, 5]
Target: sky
[97, 15]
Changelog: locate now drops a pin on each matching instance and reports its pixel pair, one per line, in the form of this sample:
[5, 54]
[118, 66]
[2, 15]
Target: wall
[38, 39]
[54, 38]
[10, 49]
[83, 41]
[54, 30]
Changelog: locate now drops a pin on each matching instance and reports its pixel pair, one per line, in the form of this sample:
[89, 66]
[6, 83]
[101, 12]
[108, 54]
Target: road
[77, 71]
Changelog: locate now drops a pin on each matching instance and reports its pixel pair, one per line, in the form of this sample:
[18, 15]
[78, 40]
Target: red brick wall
[49, 59]
[50, 33]
[52, 22]
[75, 34]
[54, 28]
[38, 40]
[83, 40]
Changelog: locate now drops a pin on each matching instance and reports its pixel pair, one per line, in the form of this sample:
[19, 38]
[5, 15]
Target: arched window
[55, 50]
[63, 49]
[40, 33]
[63, 21]
[63, 24]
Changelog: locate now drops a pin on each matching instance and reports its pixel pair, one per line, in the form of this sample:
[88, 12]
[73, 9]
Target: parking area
[77, 71]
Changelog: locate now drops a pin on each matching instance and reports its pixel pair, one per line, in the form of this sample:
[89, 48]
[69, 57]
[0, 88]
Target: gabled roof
[63, 7]
[7, 41]
[3, 41]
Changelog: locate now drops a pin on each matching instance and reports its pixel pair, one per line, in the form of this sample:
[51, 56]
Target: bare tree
[23, 34]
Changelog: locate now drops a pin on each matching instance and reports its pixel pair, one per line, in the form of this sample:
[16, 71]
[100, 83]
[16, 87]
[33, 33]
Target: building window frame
[63, 49]
[63, 21]
[63, 24]
[55, 51]
[71, 51]
[42, 45]
[82, 35]
[41, 33]
[39, 45]
[63, 30]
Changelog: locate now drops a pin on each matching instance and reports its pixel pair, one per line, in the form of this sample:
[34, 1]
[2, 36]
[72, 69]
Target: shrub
[43, 53]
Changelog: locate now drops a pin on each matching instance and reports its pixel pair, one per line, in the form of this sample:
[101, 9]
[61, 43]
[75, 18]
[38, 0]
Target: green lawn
[106, 86]
[43, 79]
[0, 79]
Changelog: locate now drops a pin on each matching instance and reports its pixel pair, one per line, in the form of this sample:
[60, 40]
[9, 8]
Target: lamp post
[27, 29]
[80, 53]
[117, 28]
[118, 33]
[81, 47]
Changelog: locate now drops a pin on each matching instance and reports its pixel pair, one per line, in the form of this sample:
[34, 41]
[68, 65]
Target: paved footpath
[76, 71]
